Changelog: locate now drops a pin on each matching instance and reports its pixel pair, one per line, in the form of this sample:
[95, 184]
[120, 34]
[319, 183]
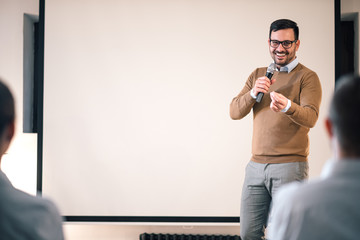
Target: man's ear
[297, 44]
[329, 127]
[10, 131]
[5, 137]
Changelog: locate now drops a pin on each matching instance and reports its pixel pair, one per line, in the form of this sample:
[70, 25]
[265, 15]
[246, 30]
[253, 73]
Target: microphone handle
[261, 94]
[259, 97]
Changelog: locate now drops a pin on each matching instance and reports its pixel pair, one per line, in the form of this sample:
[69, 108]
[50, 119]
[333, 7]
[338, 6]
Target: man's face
[281, 55]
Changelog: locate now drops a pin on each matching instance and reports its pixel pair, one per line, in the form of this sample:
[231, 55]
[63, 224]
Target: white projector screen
[136, 102]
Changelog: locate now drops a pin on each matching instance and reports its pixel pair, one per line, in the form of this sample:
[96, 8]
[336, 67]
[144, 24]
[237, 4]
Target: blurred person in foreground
[22, 216]
[327, 207]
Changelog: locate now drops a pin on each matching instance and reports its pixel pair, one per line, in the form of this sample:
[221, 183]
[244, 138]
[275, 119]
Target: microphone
[269, 73]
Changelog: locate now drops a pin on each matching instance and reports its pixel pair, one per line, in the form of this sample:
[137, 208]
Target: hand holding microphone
[262, 84]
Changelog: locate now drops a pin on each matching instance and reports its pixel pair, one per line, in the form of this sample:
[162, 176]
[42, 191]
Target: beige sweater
[281, 137]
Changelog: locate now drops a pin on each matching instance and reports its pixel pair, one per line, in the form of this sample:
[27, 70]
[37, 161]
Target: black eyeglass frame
[282, 43]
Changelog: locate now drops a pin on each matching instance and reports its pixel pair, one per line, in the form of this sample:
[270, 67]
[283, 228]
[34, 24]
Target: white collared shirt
[290, 66]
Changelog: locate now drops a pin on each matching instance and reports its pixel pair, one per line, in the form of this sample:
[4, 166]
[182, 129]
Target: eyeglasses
[286, 44]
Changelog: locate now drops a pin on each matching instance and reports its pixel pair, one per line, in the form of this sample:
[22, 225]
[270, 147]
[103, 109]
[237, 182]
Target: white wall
[20, 163]
[132, 231]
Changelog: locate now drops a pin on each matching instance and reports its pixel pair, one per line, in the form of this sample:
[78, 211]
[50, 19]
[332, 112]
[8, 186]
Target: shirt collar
[288, 68]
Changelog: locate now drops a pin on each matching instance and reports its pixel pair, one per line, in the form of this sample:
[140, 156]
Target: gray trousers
[261, 183]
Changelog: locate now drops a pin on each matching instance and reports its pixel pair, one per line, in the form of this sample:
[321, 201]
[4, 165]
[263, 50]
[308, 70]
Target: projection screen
[136, 101]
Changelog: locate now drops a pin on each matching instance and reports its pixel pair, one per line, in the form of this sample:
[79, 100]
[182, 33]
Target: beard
[282, 58]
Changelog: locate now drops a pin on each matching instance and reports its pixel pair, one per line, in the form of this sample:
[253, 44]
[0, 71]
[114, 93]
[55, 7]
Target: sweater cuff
[292, 109]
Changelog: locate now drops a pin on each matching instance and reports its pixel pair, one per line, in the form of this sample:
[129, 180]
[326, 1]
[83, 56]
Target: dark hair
[284, 24]
[7, 106]
[345, 114]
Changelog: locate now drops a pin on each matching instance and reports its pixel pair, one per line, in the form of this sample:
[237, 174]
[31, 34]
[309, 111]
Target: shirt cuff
[287, 106]
[252, 94]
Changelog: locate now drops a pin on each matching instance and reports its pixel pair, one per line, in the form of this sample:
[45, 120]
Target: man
[280, 145]
[328, 207]
[22, 216]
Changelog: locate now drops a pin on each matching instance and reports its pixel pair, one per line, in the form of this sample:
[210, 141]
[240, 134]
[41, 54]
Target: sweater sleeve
[306, 112]
[242, 104]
